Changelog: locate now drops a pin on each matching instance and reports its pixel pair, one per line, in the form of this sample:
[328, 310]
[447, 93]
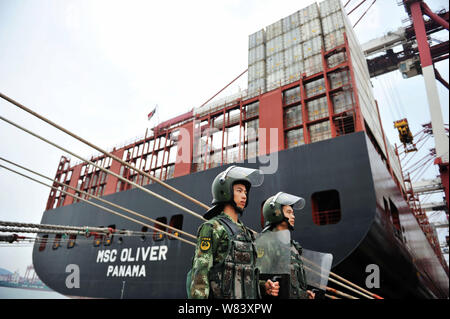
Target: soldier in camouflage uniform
[224, 262]
[278, 212]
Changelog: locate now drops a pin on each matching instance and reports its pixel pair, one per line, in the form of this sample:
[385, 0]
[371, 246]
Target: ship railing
[220, 103]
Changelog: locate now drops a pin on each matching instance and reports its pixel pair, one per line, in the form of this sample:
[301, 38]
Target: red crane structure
[416, 9]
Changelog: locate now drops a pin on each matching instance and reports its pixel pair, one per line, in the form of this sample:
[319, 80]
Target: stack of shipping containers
[256, 63]
[292, 49]
[274, 55]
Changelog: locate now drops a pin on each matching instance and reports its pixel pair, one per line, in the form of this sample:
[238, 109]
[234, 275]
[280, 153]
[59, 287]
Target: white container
[312, 47]
[274, 30]
[336, 59]
[311, 29]
[292, 95]
[315, 87]
[334, 39]
[293, 55]
[329, 6]
[292, 38]
[275, 79]
[256, 38]
[275, 62]
[313, 64]
[342, 101]
[320, 131]
[274, 45]
[332, 22]
[293, 72]
[256, 54]
[316, 108]
[257, 71]
[257, 86]
[338, 79]
[310, 108]
[323, 107]
[309, 13]
[292, 116]
[291, 22]
[294, 138]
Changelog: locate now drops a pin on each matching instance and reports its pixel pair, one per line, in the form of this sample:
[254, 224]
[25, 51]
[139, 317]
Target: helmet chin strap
[273, 225]
[239, 210]
[285, 219]
[290, 227]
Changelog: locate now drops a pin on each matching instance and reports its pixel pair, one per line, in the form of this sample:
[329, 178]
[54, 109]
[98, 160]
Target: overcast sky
[98, 67]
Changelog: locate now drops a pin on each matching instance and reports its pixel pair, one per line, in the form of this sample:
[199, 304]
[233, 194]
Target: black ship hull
[137, 267]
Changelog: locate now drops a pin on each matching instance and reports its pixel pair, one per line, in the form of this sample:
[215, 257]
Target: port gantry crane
[417, 57]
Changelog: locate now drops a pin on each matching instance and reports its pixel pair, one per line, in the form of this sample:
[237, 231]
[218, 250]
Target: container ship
[309, 121]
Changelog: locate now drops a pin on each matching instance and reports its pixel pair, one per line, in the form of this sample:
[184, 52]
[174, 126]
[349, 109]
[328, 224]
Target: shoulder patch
[205, 243]
[260, 252]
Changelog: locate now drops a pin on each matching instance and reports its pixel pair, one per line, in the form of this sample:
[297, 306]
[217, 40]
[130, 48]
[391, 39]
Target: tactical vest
[298, 276]
[236, 277]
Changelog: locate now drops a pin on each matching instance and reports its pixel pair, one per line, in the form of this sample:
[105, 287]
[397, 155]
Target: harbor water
[20, 293]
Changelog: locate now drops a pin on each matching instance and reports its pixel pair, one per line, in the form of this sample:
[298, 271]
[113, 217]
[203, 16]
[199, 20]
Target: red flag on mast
[150, 115]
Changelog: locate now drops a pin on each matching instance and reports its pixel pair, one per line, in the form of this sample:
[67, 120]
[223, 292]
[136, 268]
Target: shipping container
[293, 55]
[293, 116]
[293, 72]
[292, 95]
[292, 38]
[275, 79]
[320, 131]
[332, 22]
[336, 59]
[309, 13]
[291, 22]
[333, 39]
[338, 79]
[274, 30]
[274, 45]
[315, 87]
[329, 6]
[317, 109]
[256, 87]
[342, 101]
[312, 47]
[294, 138]
[275, 62]
[256, 39]
[257, 71]
[311, 29]
[256, 54]
[313, 64]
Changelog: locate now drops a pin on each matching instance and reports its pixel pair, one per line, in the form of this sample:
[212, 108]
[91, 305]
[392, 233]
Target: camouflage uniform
[224, 261]
[298, 276]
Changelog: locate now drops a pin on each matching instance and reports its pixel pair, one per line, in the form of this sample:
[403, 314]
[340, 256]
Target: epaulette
[208, 222]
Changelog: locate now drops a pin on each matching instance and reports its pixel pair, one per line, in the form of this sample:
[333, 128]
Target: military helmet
[272, 209]
[222, 186]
